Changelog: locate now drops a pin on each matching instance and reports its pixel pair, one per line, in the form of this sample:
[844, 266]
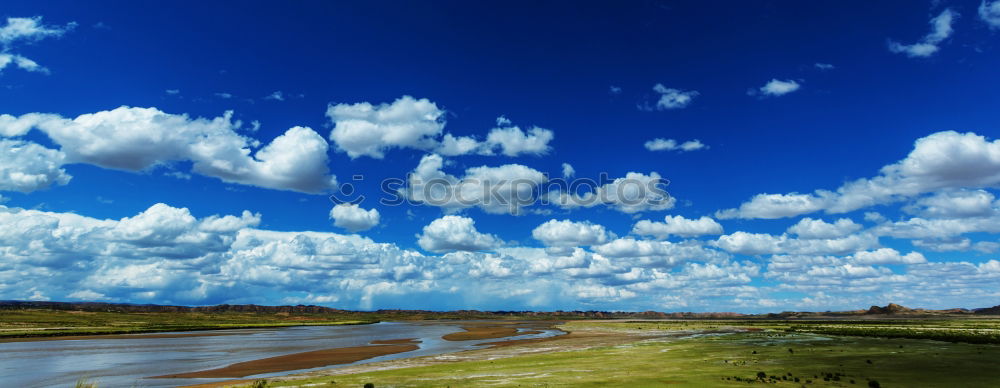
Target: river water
[125, 362]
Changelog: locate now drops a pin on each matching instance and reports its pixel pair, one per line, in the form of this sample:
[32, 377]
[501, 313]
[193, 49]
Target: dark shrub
[874, 384]
[369, 385]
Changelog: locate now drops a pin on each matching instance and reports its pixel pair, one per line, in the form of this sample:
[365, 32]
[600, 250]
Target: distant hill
[891, 309]
[377, 314]
[995, 310]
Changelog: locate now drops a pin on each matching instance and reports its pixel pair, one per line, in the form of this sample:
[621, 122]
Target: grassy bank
[48, 323]
[773, 355]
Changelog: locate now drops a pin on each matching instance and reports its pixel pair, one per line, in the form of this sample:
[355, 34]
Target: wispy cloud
[671, 98]
[989, 12]
[940, 30]
[660, 144]
[776, 87]
[26, 30]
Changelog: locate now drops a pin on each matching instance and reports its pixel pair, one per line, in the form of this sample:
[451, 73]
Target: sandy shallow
[481, 332]
[498, 329]
[304, 360]
[396, 341]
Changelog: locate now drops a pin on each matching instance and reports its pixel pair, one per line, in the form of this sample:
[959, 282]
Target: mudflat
[304, 360]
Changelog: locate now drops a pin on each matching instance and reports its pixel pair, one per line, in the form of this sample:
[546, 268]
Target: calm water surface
[126, 362]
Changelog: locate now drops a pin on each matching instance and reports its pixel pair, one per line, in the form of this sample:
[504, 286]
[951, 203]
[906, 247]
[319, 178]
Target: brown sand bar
[296, 361]
[481, 332]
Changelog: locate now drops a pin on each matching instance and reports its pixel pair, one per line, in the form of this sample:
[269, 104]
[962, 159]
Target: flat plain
[708, 353]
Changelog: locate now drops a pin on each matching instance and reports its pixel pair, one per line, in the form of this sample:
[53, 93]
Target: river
[126, 362]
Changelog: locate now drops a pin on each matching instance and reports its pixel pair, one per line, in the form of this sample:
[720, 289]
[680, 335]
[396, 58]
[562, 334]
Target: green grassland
[44, 323]
[775, 355]
[968, 330]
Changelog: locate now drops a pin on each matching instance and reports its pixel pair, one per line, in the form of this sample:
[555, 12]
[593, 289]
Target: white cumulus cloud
[455, 233]
[566, 233]
[678, 226]
[138, 139]
[364, 129]
[633, 193]
[955, 204]
[26, 167]
[808, 228]
[942, 161]
[884, 256]
[512, 141]
[762, 243]
[502, 189]
[353, 218]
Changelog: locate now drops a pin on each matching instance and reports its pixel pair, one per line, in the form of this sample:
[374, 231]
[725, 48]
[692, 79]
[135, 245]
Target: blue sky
[820, 155]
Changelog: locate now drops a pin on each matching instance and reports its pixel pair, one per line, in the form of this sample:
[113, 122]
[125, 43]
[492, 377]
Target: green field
[981, 330]
[46, 323]
[782, 357]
